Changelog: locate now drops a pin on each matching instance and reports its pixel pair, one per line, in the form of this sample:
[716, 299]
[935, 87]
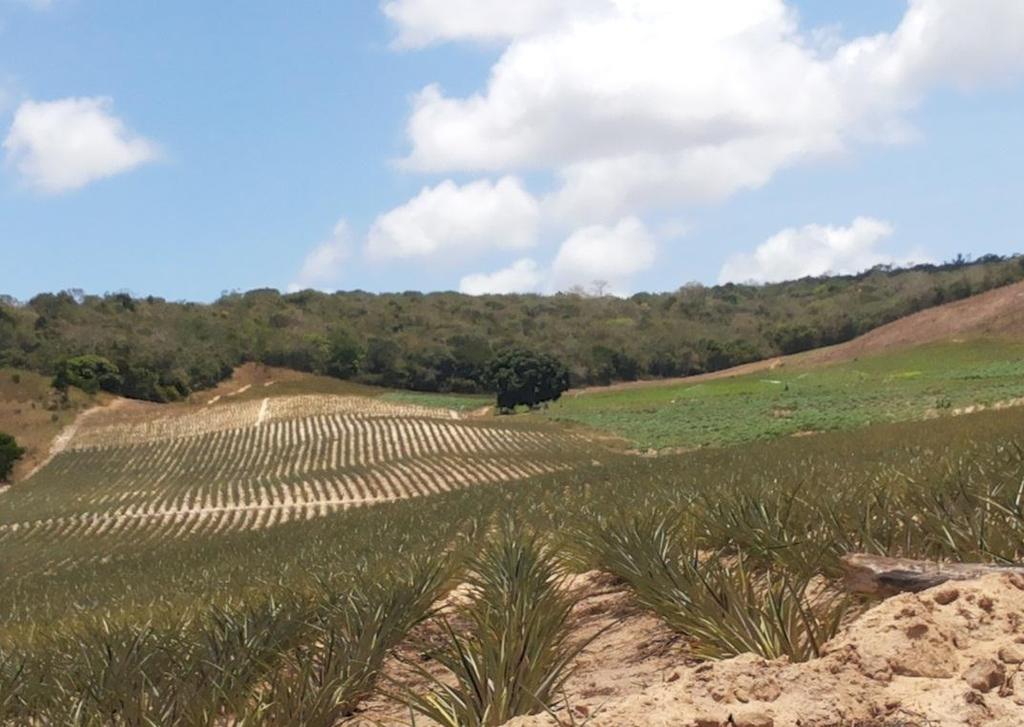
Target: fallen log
[881, 576]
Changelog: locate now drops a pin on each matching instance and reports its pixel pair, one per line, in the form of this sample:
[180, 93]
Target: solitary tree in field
[519, 376]
[10, 453]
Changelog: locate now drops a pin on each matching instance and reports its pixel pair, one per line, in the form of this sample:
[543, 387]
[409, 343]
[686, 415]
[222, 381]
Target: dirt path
[63, 439]
[750, 368]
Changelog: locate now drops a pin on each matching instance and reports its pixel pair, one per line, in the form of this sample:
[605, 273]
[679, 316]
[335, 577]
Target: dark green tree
[520, 376]
[344, 355]
[90, 373]
[10, 453]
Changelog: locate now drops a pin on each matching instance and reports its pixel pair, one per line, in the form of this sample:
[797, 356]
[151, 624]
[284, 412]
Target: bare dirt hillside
[951, 655]
[997, 313]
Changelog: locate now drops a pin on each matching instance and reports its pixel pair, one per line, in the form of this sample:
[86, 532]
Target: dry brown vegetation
[30, 410]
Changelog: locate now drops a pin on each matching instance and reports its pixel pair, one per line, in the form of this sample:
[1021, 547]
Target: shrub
[89, 373]
[10, 453]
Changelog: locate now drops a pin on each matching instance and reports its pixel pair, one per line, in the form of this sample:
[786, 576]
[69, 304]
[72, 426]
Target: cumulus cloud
[522, 276]
[323, 265]
[62, 145]
[797, 252]
[638, 104]
[609, 254]
[474, 217]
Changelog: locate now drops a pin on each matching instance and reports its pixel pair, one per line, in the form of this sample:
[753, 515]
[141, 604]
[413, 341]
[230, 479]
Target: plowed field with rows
[125, 480]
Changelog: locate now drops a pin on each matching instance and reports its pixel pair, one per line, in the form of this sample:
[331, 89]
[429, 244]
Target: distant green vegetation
[443, 342]
[10, 453]
[926, 381]
[456, 402]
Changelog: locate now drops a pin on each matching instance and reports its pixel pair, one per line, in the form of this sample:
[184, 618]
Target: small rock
[766, 691]
[1011, 654]
[975, 699]
[946, 596]
[705, 721]
[986, 604]
[917, 630]
[753, 719]
[906, 612]
[673, 677]
[985, 675]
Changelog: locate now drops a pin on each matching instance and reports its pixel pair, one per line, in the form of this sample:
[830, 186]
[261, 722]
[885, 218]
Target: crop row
[243, 505]
[269, 474]
[235, 415]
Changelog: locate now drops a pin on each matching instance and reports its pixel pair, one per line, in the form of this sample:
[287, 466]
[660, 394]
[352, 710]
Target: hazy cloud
[323, 265]
[797, 252]
[612, 254]
[522, 276]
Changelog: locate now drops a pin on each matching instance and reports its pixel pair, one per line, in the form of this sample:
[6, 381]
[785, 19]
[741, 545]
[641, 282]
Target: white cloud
[471, 218]
[612, 254]
[942, 40]
[62, 145]
[797, 252]
[423, 22]
[639, 104]
[522, 276]
[323, 265]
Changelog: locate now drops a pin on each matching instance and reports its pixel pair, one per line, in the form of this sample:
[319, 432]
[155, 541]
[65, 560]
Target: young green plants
[506, 651]
[724, 601]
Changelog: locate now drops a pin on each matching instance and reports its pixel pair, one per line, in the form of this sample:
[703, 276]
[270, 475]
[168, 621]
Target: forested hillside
[442, 341]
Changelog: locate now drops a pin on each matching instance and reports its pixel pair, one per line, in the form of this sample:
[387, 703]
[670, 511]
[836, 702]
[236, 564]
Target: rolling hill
[956, 358]
[287, 544]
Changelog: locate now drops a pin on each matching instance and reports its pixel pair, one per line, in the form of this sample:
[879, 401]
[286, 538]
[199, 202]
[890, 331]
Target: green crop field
[256, 464]
[923, 382]
[456, 402]
[258, 559]
[210, 622]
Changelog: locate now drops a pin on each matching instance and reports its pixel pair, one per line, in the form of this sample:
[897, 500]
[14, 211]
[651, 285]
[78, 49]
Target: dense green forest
[163, 350]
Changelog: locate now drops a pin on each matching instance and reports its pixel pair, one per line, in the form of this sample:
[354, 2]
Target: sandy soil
[948, 656]
[996, 313]
[629, 650]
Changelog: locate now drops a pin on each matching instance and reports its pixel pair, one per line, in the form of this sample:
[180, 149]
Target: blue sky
[182, 149]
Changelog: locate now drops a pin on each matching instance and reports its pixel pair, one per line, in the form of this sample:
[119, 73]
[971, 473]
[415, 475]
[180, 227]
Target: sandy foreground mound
[951, 655]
